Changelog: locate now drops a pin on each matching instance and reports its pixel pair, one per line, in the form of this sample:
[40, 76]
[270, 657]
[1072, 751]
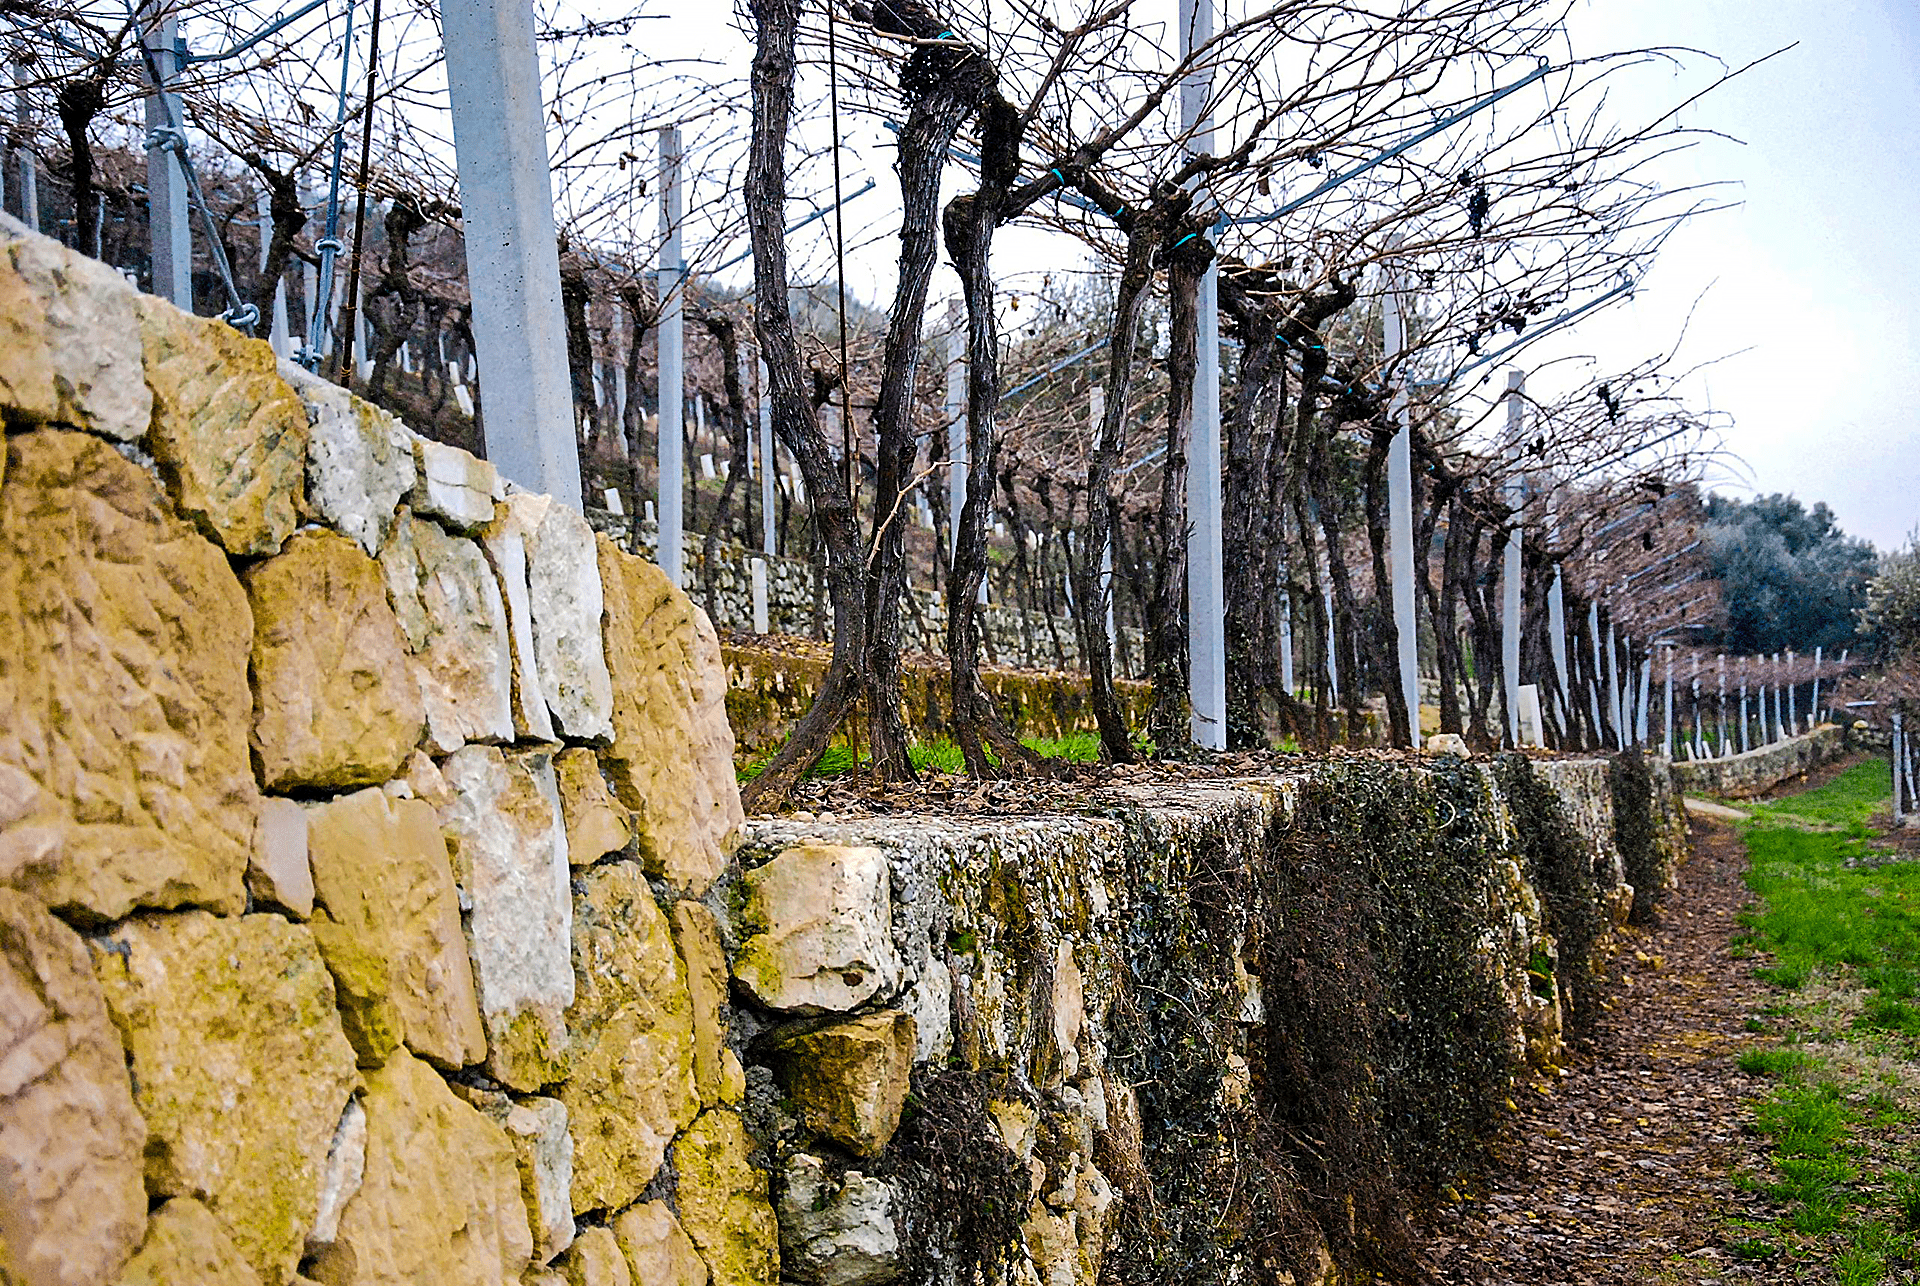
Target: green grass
[1825, 917]
[944, 756]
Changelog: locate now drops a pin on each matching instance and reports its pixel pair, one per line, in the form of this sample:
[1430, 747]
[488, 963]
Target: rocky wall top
[1759, 771]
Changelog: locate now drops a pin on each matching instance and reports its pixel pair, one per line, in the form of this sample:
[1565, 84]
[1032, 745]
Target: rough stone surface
[504, 539]
[123, 691]
[818, 930]
[239, 1068]
[597, 823]
[336, 701]
[72, 1203]
[836, 1232]
[454, 486]
[277, 869]
[563, 584]
[510, 859]
[27, 394]
[931, 1004]
[346, 1168]
[440, 1204]
[455, 623]
[229, 433]
[723, 1202]
[672, 753]
[657, 1248]
[185, 1243]
[543, 1149]
[92, 338]
[359, 459]
[716, 1068]
[384, 881]
[595, 1260]
[632, 1087]
[849, 1081]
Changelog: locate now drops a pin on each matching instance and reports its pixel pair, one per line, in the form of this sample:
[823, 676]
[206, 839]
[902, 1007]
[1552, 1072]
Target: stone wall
[1759, 771]
[376, 904]
[1011, 637]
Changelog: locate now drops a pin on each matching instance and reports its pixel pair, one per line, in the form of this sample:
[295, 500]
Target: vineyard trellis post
[1400, 551]
[168, 227]
[513, 260]
[763, 565]
[670, 480]
[1666, 740]
[1813, 701]
[1510, 560]
[26, 166]
[1206, 570]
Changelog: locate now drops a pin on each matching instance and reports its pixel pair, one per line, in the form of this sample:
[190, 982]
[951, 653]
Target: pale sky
[1816, 276]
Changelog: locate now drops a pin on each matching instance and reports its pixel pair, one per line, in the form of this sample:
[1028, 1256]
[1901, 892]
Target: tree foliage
[1791, 579]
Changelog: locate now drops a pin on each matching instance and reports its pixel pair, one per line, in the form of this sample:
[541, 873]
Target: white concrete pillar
[167, 214]
[1400, 551]
[1510, 571]
[669, 333]
[513, 262]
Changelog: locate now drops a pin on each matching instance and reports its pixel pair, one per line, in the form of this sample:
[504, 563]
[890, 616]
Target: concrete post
[1779, 732]
[956, 408]
[1725, 747]
[1793, 700]
[1206, 564]
[1096, 411]
[277, 318]
[1646, 691]
[513, 261]
[1698, 747]
[670, 337]
[1333, 652]
[167, 215]
[1746, 739]
[1898, 812]
[1557, 624]
[1612, 672]
[1286, 642]
[1667, 740]
[1400, 551]
[1813, 704]
[1599, 674]
[769, 472]
[26, 170]
[1510, 560]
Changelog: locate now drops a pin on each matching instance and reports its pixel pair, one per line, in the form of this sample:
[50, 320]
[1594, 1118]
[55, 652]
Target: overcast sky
[1814, 280]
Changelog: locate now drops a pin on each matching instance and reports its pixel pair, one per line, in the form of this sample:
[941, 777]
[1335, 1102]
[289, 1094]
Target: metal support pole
[26, 168]
[1510, 558]
[673, 384]
[167, 217]
[1206, 562]
[513, 262]
[1400, 553]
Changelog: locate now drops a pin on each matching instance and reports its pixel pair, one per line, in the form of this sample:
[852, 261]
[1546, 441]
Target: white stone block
[360, 460]
[454, 486]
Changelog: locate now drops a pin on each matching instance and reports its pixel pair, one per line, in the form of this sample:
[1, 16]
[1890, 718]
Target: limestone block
[123, 691]
[672, 752]
[543, 1151]
[239, 1067]
[931, 1004]
[453, 485]
[716, 1068]
[564, 592]
[359, 459]
[595, 1260]
[510, 861]
[336, 703]
[228, 432]
[382, 876]
[597, 823]
[1069, 1010]
[632, 1087]
[27, 393]
[657, 1248]
[849, 1081]
[72, 1202]
[92, 338]
[723, 1202]
[836, 1232]
[277, 869]
[440, 1204]
[818, 928]
[505, 543]
[185, 1243]
[345, 1170]
[455, 624]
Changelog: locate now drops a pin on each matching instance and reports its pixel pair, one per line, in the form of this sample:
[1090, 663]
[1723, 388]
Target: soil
[1621, 1168]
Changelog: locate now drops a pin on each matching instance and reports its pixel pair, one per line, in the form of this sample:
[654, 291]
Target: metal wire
[328, 247]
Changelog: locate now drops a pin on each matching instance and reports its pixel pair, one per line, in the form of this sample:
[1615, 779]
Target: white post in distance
[513, 260]
[1667, 740]
[1510, 558]
[25, 167]
[1813, 704]
[1096, 411]
[1746, 737]
[1400, 553]
[1640, 713]
[671, 338]
[1793, 699]
[1206, 569]
[277, 318]
[1725, 747]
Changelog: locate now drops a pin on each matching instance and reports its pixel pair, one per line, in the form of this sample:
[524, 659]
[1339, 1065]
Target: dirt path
[1621, 1170]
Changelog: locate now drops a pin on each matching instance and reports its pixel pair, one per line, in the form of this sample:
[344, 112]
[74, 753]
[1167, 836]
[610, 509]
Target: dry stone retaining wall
[376, 904]
[1759, 771]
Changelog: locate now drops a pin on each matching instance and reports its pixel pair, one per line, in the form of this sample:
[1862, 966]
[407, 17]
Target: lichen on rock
[818, 929]
[455, 623]
[723, 1202]
[849, 1081]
